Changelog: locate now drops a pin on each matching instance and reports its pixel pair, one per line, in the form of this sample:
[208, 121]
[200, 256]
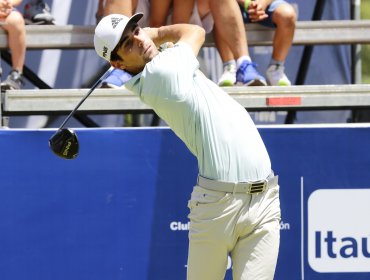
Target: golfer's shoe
[116, 79]
[228, 77]
[13, 81]
[37, 12]
[248, 75]
[276, 77]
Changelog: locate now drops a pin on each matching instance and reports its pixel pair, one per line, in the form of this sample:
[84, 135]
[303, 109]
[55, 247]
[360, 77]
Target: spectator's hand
[5, 8]
[256, 10]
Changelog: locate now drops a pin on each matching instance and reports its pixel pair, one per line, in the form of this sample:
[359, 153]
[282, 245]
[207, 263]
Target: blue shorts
[269, 11]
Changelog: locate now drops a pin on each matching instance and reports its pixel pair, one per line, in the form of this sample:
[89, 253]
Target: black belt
[254, 187]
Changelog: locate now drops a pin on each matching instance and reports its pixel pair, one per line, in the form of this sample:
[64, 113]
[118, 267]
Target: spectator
[13, 23]
[276, 14]
[37, 12]
[230, 37]
[225, 17]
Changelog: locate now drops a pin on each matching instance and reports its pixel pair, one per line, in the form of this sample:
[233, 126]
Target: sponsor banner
[119, 210]
[339, 235]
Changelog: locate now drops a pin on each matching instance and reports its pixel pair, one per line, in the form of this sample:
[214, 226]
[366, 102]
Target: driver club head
[64, 143]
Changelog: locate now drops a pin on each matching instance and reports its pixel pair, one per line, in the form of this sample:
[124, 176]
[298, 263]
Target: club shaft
[97, 83]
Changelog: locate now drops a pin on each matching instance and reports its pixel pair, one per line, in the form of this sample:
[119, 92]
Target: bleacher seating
[61, 101]
[50, 101]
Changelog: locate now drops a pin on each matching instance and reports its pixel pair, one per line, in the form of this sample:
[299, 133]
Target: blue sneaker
[247, 75]
[116, 79]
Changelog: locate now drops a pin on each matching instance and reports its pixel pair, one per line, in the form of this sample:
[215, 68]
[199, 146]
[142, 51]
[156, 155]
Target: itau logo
[339, 230]
[115, 21]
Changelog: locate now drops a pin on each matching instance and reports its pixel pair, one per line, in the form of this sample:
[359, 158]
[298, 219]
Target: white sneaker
[37, 12]
[228, 77]
[276, 77]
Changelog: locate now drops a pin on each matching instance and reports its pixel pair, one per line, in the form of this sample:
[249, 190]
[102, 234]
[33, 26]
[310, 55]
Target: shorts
[143, 6]
[269, 11]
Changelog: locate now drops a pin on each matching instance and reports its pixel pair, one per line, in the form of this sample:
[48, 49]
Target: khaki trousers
[246, 227]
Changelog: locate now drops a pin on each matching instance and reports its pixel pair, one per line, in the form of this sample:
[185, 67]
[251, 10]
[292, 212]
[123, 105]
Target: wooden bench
[306, 33]
[312, 97]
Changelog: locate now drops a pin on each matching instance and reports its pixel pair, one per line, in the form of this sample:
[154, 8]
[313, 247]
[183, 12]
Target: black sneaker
[13, 81]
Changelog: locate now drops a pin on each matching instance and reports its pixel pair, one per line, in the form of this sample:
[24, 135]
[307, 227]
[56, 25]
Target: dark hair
[114, 55]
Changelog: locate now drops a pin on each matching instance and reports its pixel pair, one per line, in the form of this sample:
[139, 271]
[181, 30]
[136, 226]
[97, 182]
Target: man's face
[135, 49]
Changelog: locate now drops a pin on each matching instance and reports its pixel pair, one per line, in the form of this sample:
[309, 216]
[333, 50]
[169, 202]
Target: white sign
[339, 230]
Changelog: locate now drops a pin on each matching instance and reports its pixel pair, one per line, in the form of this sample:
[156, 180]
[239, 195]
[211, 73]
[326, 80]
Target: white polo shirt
[215, 128]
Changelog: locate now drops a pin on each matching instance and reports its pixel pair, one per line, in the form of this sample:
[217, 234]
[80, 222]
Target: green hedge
[365, 50]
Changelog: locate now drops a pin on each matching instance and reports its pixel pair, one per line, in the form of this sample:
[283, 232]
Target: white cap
[109, 31]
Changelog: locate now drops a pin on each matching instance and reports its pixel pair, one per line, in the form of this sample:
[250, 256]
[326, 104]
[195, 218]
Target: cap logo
[105, 51]
[115, 21]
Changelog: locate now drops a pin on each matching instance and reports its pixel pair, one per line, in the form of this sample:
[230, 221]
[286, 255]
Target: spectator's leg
[123, 7]
[100, 11]
[15, 27]
[182, 10]
[159, 10]
[229, 25]
[284, 17]
[222, 46]
[228, 77]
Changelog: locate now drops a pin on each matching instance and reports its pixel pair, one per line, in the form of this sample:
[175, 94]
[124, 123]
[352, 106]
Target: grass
[365, 49]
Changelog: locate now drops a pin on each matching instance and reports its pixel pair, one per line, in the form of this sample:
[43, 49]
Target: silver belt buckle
[257, 187]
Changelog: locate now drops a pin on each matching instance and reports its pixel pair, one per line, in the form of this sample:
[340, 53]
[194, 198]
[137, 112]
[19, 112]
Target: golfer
[234, 206]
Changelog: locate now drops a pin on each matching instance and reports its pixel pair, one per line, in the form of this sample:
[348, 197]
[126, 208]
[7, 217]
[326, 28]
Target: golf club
[64, 142]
